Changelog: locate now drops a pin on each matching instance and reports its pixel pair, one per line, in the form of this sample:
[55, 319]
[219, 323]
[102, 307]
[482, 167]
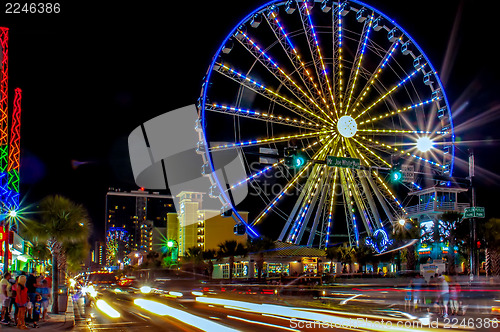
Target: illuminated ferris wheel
[338, 114]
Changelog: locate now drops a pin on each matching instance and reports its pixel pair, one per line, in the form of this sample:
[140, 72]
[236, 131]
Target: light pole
[174, 250]
[11, 214]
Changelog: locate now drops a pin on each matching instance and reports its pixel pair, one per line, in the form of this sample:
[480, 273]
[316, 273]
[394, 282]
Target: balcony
[436, 207]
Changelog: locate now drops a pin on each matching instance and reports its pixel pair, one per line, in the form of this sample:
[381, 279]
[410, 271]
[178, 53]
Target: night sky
[94, 72]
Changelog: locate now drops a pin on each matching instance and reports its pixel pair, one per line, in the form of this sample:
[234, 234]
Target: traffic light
[396, 175]
[294, 158]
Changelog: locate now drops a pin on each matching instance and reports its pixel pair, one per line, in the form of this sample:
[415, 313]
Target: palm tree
[194, 255]
[409, 231]
[448, 228]
[332, 253]
[492, 237]
[260, 246]
[61, 223]
[208, 255]
[346, 255]
[362, 255]
[231, 248]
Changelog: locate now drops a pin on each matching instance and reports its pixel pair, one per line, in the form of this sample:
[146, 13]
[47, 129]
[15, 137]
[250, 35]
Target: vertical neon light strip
[330, 214]
[4, 124]
[15, 147]
[340, 56]
[359, 62]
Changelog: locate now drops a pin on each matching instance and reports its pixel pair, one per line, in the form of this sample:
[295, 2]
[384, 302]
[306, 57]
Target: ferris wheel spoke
[404, 153]
[394, 88]
[365, 193]
[358, 59]
[331, 208]
[397, 205]
[268, 168]
[390, 132]
[371, 152]
[268, 93]
[352, 227]
[294, 56]
[266, 140]
[263, 116]
[337, 56]
[374, 76]
[321, 208]
[317, 156]
[280, 75]
[314, 48]
[401, 110]
[302, 218]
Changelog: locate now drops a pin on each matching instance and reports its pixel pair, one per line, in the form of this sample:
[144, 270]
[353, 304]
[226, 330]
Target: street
[341, 308]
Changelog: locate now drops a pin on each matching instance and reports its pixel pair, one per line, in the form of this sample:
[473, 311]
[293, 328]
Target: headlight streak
[107, 309]
[185, 317]
[298, 313]
[262, 323]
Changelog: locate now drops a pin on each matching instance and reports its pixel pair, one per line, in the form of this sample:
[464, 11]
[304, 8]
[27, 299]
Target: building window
[225, 271]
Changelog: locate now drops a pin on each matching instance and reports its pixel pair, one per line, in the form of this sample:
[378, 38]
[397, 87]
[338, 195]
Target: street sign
[332, 161]
[474, 212]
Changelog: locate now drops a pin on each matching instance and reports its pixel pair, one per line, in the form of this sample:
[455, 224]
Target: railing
[437, 207]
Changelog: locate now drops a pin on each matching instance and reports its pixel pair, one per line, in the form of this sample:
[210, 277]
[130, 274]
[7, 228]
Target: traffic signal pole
[474, 259]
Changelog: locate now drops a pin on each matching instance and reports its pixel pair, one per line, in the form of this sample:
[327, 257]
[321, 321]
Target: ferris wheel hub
[347, 126]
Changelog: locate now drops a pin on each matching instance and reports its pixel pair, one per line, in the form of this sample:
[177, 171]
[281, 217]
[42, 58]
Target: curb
[69, 315]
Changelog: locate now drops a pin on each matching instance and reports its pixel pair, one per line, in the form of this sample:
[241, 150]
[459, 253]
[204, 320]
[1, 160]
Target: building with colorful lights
[432, 202]
[194, 226]
[135, 222]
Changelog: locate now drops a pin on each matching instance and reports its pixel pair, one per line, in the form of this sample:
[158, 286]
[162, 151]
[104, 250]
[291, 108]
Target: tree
[208, 255]
[346, 255]
[404, 233]
[448, 228]
[260, 246]
[61, 223]
[332, 253]
[362, 255]
[231, 248]
[194, 255]
[492, 238]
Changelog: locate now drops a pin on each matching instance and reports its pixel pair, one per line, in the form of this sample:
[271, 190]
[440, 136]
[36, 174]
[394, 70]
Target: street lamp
[402, 222]
[11, 214]
[174, 250]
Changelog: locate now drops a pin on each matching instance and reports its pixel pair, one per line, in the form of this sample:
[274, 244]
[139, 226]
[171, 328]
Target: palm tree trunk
[410, 258]
[495, 261]
[55, 284]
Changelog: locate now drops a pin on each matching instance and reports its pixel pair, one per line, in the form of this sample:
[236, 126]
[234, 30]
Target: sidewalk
[56, 322]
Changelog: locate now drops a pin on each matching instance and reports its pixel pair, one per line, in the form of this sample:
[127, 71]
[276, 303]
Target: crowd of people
[440, 295]
[29, 295]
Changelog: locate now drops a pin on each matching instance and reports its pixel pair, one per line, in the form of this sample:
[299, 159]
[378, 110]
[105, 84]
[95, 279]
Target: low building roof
[283, 249]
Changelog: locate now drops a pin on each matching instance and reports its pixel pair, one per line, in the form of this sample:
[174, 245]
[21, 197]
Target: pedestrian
[418, 284]
[44, 292]
[37, 308]
[5, 289]
[22, 302]
[455, 290]
[13, 299]
[444, 294]
[31, 285]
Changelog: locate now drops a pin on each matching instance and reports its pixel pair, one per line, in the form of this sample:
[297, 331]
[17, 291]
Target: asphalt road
[364, 308]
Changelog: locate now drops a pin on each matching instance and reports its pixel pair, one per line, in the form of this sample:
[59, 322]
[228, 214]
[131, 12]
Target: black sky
[94, 72]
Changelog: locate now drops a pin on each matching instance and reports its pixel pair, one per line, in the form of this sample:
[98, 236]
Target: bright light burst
[424, 144]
